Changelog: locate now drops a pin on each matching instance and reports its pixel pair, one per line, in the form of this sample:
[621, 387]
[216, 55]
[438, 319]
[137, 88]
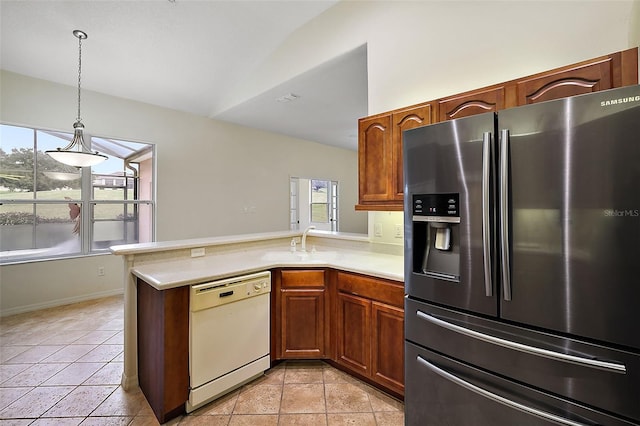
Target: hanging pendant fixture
[77, 153]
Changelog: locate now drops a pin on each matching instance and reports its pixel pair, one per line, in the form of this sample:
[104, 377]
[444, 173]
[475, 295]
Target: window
[313, 202]
[48, 209]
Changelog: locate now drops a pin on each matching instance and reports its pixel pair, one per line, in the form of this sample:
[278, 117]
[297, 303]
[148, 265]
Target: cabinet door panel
[374, 158]
[354, 325]
[563, 83]
[472, 103]
[405, 120]
[387, 365]
[303, 324]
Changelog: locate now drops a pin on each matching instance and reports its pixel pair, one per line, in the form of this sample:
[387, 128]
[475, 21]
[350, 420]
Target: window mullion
[86, 210]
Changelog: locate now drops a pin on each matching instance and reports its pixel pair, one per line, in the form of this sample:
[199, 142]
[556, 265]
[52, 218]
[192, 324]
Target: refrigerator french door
[524, 227]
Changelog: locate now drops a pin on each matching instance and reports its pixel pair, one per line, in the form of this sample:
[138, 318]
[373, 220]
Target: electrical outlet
[197, 252]
[377, 229]
[101, 271]
[398, 228]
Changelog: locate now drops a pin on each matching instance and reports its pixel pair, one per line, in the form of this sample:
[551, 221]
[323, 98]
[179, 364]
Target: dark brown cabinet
[602, 73]
[406, 119]
[354, 331]
[370, 329]
[380, 177]
[301, 309]
[387, 346]
[470, 103]
[163, 348]
[374, 159]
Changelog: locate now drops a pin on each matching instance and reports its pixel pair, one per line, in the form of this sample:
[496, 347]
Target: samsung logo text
[622, 213]
[620, 101]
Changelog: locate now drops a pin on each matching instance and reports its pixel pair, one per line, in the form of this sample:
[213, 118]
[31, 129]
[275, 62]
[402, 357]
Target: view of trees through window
[49, 209]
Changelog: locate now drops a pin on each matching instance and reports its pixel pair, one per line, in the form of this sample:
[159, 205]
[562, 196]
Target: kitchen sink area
[160, 275]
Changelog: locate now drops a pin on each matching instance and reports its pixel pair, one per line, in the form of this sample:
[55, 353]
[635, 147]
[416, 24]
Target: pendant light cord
[79, 73]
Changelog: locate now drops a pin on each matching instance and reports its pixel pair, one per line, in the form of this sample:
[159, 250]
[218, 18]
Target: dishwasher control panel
[215, 293]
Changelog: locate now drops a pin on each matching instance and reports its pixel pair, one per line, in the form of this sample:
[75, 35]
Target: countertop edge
[128, 249]
[152, 276]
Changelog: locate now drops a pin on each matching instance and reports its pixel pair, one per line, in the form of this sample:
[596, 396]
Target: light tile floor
[63, 365]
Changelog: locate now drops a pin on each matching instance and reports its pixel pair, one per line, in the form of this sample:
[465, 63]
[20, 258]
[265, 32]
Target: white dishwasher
[228, 335]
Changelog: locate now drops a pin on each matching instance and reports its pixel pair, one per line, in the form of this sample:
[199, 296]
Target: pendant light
[77, 153]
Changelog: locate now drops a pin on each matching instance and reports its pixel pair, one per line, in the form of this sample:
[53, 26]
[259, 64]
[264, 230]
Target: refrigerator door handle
[486, 216]
[587, 362]
[497, 398]
[504, 212]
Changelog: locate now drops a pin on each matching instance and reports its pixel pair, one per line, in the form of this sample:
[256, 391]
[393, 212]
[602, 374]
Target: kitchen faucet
[304, 237]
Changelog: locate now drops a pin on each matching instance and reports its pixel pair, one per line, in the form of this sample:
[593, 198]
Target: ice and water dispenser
[436, 235]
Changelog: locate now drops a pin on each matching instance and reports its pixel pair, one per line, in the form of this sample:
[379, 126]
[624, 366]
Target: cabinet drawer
[303, 278]
[372, 288]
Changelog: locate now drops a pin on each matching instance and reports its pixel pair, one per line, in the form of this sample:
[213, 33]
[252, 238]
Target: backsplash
[386, 227]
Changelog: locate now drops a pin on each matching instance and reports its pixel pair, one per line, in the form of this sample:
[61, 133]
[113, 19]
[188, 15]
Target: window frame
[86, 201]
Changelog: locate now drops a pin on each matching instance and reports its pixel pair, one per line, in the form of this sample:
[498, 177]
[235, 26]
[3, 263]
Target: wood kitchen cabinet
[370, 329]
[375, 160]
[606, 72]
[301, 308]
[488, 99]
[602, 73]
[163, 348]
[380, 179]
[402, 120]
[380, 175]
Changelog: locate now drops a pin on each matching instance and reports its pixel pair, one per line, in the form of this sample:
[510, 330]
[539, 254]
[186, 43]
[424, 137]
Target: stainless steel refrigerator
[522, 265]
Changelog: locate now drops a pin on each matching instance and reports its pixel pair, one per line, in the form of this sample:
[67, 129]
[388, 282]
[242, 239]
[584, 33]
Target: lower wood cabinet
[301, 313]
[354, 321]
[370, 329]
[387, 346]
[354, 333]
[163, 348]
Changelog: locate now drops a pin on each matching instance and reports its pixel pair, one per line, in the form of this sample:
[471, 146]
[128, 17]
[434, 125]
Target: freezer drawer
[601, 377]
[444, 392]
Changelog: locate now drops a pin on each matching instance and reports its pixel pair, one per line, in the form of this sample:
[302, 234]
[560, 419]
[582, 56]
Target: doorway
[313, 202]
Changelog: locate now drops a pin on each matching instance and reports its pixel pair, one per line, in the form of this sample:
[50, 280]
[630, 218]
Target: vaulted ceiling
[192, 56]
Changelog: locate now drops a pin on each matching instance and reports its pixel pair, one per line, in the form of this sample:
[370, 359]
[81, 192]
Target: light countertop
[181, 272]
[235, 255]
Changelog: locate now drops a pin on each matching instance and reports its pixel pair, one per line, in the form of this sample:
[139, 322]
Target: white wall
[213, 179]
[423, 50]
[37, 285]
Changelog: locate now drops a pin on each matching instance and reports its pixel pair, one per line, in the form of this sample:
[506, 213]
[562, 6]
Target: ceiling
[192, 56]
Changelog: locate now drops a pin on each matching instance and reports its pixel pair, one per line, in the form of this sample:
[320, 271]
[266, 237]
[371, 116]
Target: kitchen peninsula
[360, 278]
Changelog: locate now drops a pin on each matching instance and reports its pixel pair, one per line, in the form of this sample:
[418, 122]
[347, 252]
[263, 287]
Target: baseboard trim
[59, 302]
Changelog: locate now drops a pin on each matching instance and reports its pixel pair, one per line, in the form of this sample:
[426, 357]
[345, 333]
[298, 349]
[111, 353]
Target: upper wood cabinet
[374, 159]
[606, 72]
[380, 174]
[489, 99]
[409, 118]
[380, 179]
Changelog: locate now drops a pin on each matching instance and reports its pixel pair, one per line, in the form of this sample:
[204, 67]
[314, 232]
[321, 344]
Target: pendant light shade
[77, 153]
